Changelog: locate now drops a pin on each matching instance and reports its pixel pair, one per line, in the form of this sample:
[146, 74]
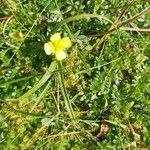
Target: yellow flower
[57, 46]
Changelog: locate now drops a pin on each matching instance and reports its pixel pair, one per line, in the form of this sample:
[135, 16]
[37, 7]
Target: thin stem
[45, 77]
[114, 26]
[134, 17]
[65, 24]
[41, 96]
[136, 29]
[79, 17]
[64, 93]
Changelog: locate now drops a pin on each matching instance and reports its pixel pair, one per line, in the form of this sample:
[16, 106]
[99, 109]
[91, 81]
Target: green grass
[104, 80]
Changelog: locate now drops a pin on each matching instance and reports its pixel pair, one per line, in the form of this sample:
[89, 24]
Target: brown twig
[120, 24]
[135, 29]
[3, 18]
[123, 11]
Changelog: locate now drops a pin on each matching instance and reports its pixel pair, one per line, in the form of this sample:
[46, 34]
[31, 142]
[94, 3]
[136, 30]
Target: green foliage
[105, 78]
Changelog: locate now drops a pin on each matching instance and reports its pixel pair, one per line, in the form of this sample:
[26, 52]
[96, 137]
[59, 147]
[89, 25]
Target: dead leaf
[103, 130]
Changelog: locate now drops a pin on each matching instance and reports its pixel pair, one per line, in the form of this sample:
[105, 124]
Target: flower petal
[60, 55]
[49, 48]
[55, 37]
[65, 42]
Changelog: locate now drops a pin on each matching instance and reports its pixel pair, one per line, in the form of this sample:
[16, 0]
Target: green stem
[114, 26]
[45, 77]
[65, 24]
[64, 93]
[78, 17]
[18, 80]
